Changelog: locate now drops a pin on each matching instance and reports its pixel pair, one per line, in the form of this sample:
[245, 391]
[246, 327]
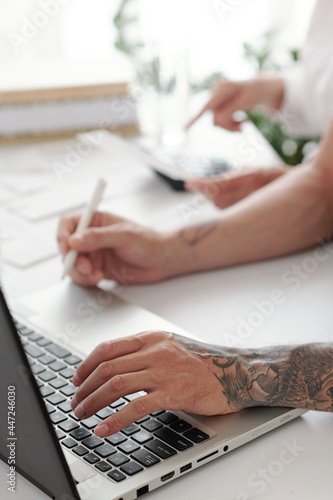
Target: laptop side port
[142, 491]
[167, 476]
[186, 467]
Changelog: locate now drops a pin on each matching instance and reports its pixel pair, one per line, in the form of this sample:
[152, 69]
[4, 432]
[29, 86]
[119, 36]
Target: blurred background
[46, 43]
[213, 32]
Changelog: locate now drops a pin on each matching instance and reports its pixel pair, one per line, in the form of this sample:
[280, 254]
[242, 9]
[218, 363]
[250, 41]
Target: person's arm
[293, 213]
[178, 373]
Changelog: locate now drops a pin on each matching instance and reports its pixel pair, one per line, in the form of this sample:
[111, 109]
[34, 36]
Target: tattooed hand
[175, 374]
[181, 374]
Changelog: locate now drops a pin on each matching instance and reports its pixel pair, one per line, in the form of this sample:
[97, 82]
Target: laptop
[41, 437]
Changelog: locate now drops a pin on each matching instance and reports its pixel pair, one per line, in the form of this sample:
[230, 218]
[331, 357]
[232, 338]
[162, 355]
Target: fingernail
[102, 430]
[79, 411]
[83, 268]
[75, 380]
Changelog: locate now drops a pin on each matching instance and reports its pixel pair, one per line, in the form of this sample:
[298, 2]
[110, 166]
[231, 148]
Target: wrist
[176, 258]
[270, 91]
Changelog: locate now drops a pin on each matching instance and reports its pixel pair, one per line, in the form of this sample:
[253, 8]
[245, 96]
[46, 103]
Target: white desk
[209, 305]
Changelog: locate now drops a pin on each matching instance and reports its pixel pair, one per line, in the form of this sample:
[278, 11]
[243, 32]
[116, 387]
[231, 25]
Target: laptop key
[80, 434]
[42, 342]
[173, 439]
[56, 399]
[92, 442]
[56, 366]
[91, 458]
[180, 426]
[130, 429]
[135, 395]
[103, 466]
[151, 425]
[65, 406]
[105, 450]
[105, 413]
[68, 390]
[57, 383]
[116, 475]
[60, 434]
[196, 435]
[72, 359]
[57, 350]
[50, 408]
[46, 391]
[142, 437]
[80, 450]
[67, 373]
[57, 417]
[143, 419]
[24, 330]
[160, 449]
[145, 458]
[37, 369]
[73, 416]
[116, 439]
[119, 402]
[158, 412]
[118, 459]
[68, 426]
[167, 418]
[46, 359]
[35, 336]
[33, 351]
[47, 376]
[131, 468]
[69, 443]
[128, 447]
[90, 422]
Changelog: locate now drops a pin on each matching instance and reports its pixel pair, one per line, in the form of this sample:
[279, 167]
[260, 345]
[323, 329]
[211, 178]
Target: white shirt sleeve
[308, 101]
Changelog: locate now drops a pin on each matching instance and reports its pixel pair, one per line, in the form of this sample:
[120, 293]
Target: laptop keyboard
[198, 165]
[138, 446]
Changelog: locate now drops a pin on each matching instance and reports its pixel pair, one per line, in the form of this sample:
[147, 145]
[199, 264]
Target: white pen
[83, 223]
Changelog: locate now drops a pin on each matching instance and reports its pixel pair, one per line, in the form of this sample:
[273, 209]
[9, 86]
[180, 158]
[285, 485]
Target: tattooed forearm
[290, 376]
[193, 235]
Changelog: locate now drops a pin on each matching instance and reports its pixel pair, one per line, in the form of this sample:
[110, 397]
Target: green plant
[122, 21]
[261, 55]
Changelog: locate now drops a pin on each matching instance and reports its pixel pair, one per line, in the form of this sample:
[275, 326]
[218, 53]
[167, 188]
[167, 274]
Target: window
[50, 42]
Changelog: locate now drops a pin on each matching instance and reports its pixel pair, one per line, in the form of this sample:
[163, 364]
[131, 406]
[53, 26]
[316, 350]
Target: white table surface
[210, 305]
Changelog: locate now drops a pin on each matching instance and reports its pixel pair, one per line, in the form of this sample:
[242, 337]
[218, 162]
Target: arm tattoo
[290, 376]
[193, 235]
